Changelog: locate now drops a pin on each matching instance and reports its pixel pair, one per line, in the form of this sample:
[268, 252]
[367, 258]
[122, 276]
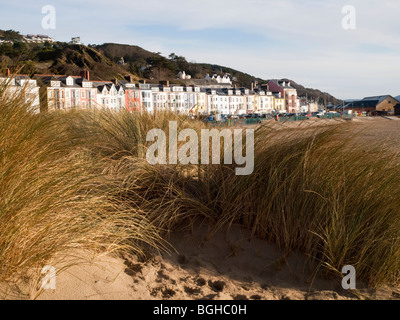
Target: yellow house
[279, 103]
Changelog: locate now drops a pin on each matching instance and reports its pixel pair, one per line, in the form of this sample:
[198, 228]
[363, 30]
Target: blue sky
[303, 40]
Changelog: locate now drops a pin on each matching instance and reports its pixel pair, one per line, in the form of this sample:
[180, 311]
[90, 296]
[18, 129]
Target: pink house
[287, 91]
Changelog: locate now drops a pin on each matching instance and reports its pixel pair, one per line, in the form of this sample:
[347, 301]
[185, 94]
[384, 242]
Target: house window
[83, 94]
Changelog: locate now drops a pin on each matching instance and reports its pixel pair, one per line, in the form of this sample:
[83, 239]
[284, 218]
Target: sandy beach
[227, 267]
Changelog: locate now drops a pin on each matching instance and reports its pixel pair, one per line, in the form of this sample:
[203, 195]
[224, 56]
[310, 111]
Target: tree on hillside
[12, 35]
[172, 57]
[179, 61]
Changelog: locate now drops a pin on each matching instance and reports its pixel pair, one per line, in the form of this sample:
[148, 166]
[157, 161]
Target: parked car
[209, 119]
[304, 114]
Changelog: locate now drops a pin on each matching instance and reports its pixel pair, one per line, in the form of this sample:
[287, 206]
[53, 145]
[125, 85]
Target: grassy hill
[111, 60]
[152, 65]
[314, 94]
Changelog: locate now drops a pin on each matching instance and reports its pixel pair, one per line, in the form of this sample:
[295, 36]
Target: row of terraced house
[64, 92]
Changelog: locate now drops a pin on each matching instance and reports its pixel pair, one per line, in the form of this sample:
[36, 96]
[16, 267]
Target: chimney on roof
[8, 73]
[85, 74]
[252, 86]
[129, 78]
[164, 83]
[142, 81]
[115, 81]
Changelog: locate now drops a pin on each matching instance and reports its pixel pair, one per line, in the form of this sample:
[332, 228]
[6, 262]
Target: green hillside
[111, 60]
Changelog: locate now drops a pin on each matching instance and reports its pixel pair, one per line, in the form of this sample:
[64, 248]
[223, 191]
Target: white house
[110, 96]
[160, 98]
[218, 101]
[38, 38]
[146, 98]
[202, 101]
[75, 40]
[225, 79]
[248, 100]
[264, 101]
[235, 100]
[229, 101]
[183, 76]
[22, 85]
[178, 99]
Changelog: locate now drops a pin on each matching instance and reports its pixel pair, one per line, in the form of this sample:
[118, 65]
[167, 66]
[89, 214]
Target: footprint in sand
[240, 297]
[201, 282]
[168, 293]
[217, 286]
[192, 291]
[132, 269]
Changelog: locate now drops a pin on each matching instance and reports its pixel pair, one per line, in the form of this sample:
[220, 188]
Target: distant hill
[112, 60]
[314, 94]
[73, 58]
[153, 66]
[59, 58]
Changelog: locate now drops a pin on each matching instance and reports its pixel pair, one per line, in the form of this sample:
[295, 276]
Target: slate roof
[368, 102]
[280, 83]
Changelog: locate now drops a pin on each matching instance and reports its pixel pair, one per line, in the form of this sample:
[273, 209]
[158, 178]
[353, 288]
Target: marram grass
[333, 198]
[317, 190]
[52, 201]
[79, 181]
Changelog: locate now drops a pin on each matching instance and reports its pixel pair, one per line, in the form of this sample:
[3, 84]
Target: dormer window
[69, 81]
[55, 83]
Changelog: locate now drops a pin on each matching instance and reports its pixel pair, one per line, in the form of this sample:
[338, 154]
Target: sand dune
[227, 267]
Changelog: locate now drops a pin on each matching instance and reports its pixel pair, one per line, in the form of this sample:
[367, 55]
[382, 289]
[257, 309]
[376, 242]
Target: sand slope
[227, 267]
